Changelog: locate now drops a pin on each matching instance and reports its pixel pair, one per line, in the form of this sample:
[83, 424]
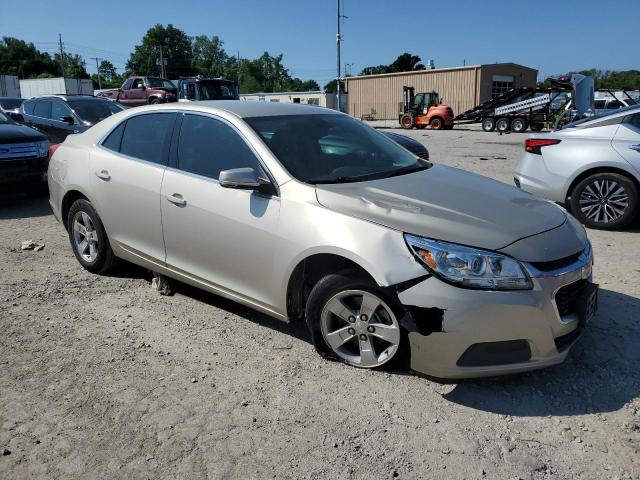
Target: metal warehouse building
[461, 88]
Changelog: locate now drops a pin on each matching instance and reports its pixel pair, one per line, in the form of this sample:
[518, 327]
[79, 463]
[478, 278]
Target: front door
[221, 236]
[127, 172]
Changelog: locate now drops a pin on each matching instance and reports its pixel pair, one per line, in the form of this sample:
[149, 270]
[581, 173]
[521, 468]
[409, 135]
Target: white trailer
[9, 86]
[37, 87]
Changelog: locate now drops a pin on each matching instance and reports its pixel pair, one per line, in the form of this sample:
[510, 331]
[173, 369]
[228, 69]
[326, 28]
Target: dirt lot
[101, 377]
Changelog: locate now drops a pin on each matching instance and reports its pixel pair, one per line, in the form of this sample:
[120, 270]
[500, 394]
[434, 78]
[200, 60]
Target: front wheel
[351, 319]
[437, 123]
[605, 201]
[88, 238]
[154, 101]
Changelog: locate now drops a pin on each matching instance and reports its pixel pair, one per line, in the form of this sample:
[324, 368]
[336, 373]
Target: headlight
[469, 267]
[42, 148]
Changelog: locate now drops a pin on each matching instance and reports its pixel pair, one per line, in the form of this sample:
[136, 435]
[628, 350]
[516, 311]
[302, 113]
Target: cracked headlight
[469, 267]
[42, 147]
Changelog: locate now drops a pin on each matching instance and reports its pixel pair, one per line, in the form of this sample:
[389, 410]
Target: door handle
[635, 147]
[177, 199]
[103, 175]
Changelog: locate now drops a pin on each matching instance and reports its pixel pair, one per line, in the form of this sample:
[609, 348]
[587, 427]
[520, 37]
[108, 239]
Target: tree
[74, 66]
[331, 86]
[107, 71]
[176, 48]
[404, 63]
[298, 85]
[209, 58]
[24, 60]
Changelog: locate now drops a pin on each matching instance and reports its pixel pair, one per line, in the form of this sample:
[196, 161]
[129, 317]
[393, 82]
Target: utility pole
[338, 40]
[98, 71]
[238, 64]
[62, 59]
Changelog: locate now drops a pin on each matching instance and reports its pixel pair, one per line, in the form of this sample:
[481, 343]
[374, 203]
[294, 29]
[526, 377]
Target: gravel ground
[102, 377]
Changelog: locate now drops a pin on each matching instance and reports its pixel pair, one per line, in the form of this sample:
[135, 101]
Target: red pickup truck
[136, 91]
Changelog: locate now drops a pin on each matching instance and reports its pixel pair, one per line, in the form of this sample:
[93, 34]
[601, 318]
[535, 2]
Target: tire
[154, 101]
[605, 201]
[406, 121]
[98, 258]
[503, 124]
[519, 125]
[437, 123]
[489, 124]
[343, 293]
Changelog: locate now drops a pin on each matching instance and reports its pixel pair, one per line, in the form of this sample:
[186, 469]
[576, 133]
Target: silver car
[593, 166]
[307, 214]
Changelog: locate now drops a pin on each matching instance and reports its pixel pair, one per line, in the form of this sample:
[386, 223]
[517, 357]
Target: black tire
[489, 124]
[519, 125]
[154, 101]
[437, 123]
[333, 284]
[105, 259]
[503, 124]
[406, 121]
[587, 191]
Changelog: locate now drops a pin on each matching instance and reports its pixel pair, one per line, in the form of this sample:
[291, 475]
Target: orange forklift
[424, 109]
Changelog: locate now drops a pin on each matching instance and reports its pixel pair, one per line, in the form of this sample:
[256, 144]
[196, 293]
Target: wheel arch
[309, 270]
[68, 199]
[600, 169]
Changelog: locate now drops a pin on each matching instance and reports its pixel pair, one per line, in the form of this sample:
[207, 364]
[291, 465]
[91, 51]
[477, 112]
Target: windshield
[160, 83]
[333, 148]
[217, 91]
[11, 103]
[93, 111]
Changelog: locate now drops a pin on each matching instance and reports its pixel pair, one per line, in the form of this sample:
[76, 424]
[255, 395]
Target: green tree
[24, 60]
[331, 86]
[404, 63]
[177, 49]
[209, 58]
[74, 65]
[107, 71]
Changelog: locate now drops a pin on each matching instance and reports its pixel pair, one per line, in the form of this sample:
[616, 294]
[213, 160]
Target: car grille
[566, 295]
[18, 150]
[556, 264]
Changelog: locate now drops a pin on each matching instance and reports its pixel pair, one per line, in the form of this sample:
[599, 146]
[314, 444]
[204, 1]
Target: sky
[554, 37]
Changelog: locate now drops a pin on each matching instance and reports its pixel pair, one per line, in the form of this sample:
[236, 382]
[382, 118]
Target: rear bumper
[486, 333]
[531, 175]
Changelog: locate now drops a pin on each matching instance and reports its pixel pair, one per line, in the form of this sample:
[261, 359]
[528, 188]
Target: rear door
[40, 118]
[128, 168]
[627, 140]
[222, 236]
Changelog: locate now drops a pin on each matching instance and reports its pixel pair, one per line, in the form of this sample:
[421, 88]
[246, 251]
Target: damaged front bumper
[459, 333]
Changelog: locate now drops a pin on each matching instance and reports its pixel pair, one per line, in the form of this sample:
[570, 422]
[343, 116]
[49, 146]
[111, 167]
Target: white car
[592, 166]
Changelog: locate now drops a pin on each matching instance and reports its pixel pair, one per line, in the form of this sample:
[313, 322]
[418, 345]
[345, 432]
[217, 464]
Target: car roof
[249, 108]
[67, 97]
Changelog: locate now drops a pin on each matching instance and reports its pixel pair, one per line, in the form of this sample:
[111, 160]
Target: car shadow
[18, 203]
[600, 374]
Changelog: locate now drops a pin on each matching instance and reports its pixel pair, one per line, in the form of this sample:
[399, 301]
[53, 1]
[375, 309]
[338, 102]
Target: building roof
[435, 70]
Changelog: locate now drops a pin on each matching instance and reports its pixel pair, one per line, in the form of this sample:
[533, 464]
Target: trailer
[9, 86]
[37, 87]
[521, 108]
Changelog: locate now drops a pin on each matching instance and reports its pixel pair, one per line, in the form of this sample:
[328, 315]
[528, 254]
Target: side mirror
[243, 179]
[68, 120]
[143, 88]
[16, 117]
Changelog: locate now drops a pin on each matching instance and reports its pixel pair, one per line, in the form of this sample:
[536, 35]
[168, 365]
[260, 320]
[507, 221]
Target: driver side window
[59, 110]
[207, 146]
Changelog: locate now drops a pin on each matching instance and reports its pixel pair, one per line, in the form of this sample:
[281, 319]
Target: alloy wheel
[604, 201]
[360, 328]
[85, 236]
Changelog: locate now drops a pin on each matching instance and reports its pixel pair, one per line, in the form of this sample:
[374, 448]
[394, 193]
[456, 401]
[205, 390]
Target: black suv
[23, 154]
[59, 115]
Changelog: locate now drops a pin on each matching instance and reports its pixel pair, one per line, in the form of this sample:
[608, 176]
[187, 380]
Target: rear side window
[147, 137]
[28, 107]
[115, 137]
[42, 110]
[208, 146]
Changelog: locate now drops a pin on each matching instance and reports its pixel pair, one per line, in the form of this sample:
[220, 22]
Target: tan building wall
[462, 88]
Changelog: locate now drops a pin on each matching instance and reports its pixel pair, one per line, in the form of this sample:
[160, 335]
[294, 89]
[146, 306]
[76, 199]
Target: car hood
[14, 133]
[447, 204]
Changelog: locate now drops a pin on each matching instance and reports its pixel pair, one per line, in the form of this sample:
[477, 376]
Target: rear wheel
[489, 124]
[406, 121]
[352, 320]
[605, 201]
[88, 238]
[519, 125]
[502, 125]
[437, 123]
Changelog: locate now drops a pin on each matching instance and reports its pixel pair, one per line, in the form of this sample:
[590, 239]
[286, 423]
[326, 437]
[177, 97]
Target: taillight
[52, 149]
[534, 145]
